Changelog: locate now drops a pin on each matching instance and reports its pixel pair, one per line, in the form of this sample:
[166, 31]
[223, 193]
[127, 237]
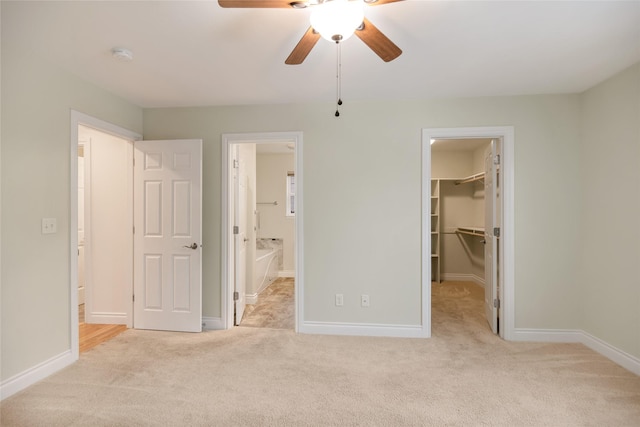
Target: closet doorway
[468, 218]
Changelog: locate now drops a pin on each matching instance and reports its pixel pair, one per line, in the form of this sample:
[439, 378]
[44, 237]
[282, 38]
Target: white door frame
[226, 294]
[78, 118]
[507, 238]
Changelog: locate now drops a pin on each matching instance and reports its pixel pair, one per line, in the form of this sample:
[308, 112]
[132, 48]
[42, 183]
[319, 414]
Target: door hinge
[236, 296]
[496, 303]
[134, 229]
[236, 229]
[496, 159]
[496, 231]
[134, 162]
[134, 297]
[236, 163]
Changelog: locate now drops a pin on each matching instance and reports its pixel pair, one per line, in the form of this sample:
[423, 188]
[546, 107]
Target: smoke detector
[122, 54]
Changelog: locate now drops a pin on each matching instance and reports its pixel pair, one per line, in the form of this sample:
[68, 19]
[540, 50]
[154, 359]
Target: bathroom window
[291, 194]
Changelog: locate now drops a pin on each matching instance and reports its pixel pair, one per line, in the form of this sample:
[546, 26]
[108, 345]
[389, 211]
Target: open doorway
[463, 203]
[105, 221]
[100, 238]
[105, 263]
[468, 226]
[261, 225]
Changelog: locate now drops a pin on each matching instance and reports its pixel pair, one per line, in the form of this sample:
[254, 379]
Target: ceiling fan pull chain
[339, 79]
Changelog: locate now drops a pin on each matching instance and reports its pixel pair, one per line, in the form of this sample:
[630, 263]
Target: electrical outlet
[339, 300]
[364, 300]
[49, 226]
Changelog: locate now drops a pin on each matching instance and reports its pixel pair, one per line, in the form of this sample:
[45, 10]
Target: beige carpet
[253, 377]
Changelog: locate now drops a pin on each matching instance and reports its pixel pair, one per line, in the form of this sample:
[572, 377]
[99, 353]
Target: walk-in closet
[458, 209]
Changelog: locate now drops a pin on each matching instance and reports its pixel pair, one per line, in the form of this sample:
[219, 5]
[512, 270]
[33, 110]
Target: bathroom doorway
[111, 144]
[105, 221]
[262, 217]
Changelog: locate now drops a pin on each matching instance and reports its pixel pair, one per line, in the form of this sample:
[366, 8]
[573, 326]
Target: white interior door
[240, 236]
[168, 235]
[491, 243]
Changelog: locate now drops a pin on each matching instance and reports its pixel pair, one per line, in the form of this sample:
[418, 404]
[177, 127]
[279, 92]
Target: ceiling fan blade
[378, 42]
[304, 46]
[256, 3]
[379, 2]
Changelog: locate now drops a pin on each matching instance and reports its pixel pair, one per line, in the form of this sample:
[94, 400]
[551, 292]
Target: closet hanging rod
[472, 178]
[268, 203]
[478, 232]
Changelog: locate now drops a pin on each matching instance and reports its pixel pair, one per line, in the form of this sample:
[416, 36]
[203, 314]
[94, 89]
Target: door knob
[193, 246]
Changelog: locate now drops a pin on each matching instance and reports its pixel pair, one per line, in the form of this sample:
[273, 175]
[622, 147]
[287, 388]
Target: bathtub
[266, 268]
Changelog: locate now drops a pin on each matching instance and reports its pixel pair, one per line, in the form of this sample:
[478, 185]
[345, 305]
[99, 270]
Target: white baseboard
[212, 323]
[363, 329]
[19, 382]
[251, 298]
[287, 273]
[620, 357]
[547, 335]
[107, 318]
[612, 353]
[459, 277]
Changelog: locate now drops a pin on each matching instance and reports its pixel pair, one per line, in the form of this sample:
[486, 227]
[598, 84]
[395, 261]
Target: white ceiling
[195, 53]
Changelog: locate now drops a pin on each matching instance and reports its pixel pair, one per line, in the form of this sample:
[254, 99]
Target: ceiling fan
[320, 27]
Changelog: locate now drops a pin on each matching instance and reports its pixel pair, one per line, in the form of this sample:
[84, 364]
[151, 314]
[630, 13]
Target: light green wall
[610, 157]
[36, 103]
[362, 198]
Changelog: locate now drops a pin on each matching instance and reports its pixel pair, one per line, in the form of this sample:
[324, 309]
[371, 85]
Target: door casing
[78, 118]
[226, 232]
[507, 238]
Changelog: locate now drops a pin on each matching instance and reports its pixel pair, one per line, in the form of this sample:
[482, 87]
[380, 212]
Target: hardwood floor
[92, 335]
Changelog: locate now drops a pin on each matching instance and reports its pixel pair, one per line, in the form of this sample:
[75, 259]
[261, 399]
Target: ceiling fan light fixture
[337, 20]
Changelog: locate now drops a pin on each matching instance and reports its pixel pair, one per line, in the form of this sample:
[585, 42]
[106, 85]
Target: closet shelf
[472, 178]
[472, 231]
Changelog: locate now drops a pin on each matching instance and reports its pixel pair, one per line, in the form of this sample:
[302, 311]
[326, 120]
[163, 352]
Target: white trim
[110, 318]
[612, 353]
[251, 298]
[607, 350]
[362, 329]
[546, 335]
[78, 118]
[24, 379]
[212, 323]
[462, 277]
[507, 241]
[287, 273]
[425, 283]
[225, 239]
